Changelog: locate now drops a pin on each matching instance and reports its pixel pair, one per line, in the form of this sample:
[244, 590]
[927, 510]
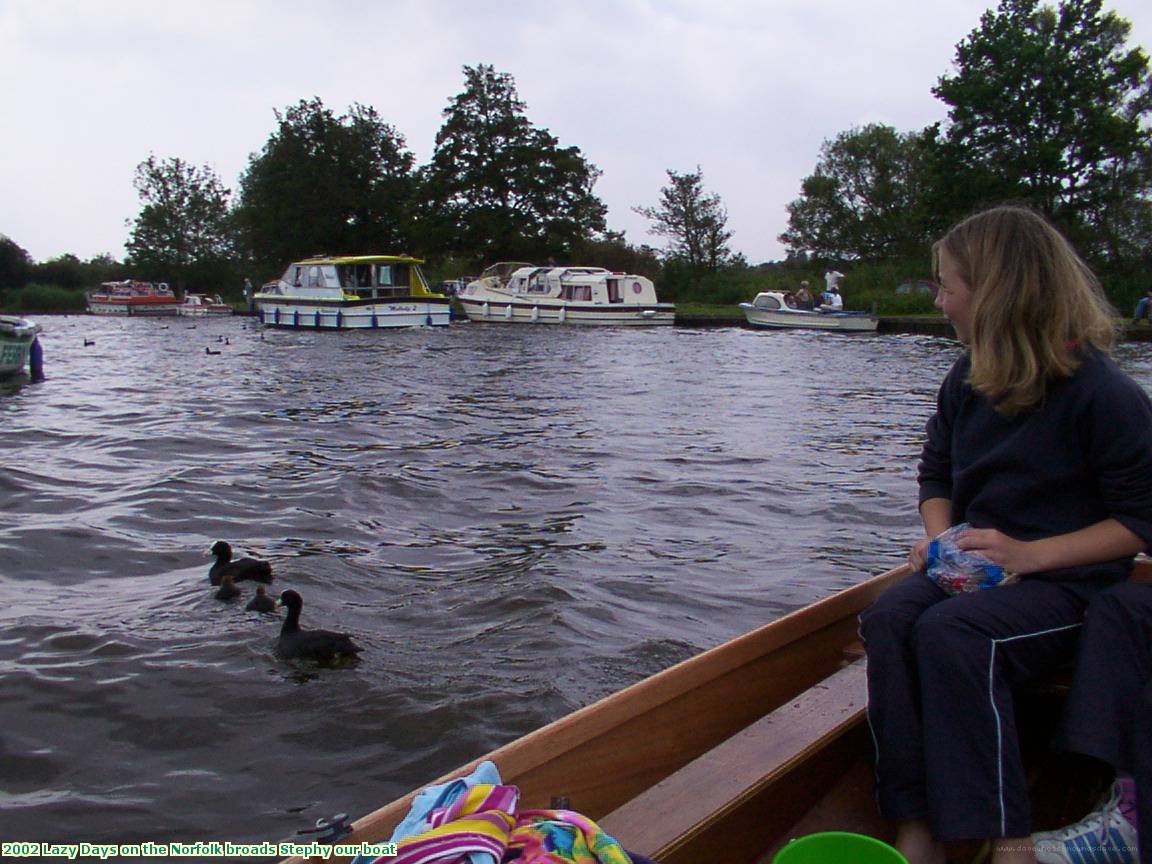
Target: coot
[244, 568]
[323, 646]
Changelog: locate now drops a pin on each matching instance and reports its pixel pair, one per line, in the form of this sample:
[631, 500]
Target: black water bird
[89, 342]
[241, 569]
[261, 602]
[228, 589]
[210, 351]
[322, 646]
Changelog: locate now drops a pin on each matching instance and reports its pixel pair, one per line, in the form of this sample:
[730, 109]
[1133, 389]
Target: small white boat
[17, 344]
[514, 292]
[129, 297]
[772, 309]
[203, 305]
[361, 292]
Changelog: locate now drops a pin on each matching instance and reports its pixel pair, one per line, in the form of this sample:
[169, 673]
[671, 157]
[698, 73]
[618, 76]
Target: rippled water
[513, 522]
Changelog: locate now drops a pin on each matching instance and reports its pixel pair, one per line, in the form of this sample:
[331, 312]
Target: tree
[499, 188]
[15, 264]
[185, 221]
[864, 200]
[694, 222]
[1048, 106]
[327, 184]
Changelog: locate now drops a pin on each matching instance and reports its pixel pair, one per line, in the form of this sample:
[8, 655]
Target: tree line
[1045, 105]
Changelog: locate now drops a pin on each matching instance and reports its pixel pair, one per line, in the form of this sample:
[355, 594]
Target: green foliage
[865, 199]
[15, 263]
[45, 299]
[184, 222]
[695, 222]
[69, 272]
[327, 184]
[499, 188]
[613, 252]
[1048, 106]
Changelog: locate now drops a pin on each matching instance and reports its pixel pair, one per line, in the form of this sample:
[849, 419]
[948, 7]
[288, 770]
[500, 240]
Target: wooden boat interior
[732, 753]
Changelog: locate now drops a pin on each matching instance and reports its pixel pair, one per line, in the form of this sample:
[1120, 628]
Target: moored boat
[129, 297]
[18, 345]
[203, 305]
[729, 755]
[514, 292]
[773, 309]
[352, 293]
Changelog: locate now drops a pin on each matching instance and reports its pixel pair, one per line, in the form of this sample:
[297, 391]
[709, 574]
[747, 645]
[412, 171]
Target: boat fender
[316, 319]
[563, 309]
[375, 323]
[295, 317]
[535, 313]
[508, 311]
[485, 308]
[36, 360]
[339, 318]
[428, 319]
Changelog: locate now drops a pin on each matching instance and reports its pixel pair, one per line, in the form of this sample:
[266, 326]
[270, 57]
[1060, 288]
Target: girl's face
[954, 298]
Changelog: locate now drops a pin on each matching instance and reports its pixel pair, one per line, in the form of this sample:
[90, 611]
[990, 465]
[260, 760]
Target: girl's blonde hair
[1034, 303]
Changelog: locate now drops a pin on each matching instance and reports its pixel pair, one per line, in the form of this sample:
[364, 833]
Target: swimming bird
[323, 646]
[89, 342]
[210, 351]
[244, 568]
[228, 589]
[261, 602]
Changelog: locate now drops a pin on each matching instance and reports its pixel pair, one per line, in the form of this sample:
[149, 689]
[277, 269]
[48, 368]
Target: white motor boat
[203, 305]
[519, 293]
[19, 347]
[773, 309]
[360, 292]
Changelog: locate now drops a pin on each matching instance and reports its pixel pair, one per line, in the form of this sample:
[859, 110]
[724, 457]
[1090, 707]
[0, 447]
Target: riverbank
[924, 325]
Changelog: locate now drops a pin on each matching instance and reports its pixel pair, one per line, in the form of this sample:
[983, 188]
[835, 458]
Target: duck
[210, 351]
[89, 342]
[228, 589]
[261, 602]
[322, 646]
[244, 568]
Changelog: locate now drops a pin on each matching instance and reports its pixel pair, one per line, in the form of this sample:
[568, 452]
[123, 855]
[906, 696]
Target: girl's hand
[918, 557]
[1015, 556]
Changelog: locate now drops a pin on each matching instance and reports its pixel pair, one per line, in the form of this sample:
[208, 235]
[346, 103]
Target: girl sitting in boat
[1044, 447]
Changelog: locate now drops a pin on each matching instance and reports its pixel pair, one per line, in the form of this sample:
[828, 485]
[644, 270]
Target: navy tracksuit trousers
[940, 676]
[1109, 711]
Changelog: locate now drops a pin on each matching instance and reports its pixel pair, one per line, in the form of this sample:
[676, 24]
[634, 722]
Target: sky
[747, 90]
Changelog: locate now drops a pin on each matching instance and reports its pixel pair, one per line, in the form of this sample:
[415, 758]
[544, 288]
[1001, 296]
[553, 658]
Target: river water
[513, 522]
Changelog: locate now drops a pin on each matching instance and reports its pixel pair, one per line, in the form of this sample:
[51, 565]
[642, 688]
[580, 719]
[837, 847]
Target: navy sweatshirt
[1083, 456]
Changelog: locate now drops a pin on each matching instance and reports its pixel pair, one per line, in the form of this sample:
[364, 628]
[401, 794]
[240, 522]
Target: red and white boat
[129, 297]
[201, 305]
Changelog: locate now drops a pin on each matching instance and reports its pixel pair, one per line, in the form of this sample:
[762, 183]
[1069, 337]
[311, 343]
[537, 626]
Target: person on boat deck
[832, 299]
[804, 297]
[1043, 446]
[1143, 308]
[1108, 716]
[789, 300]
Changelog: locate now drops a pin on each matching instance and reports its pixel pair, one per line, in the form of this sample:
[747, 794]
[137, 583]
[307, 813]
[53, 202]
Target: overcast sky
[746, 90]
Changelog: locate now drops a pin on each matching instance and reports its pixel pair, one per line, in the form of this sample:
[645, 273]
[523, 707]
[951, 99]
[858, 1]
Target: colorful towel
[477, 823]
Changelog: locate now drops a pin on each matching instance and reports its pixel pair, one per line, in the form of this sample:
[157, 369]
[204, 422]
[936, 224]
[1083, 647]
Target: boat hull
[16, 338]
[800, 319]
[509, 311]
[353, 316]
[150, 308]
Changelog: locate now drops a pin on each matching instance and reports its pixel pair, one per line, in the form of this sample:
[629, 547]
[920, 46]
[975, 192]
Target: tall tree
[498, 187]
[327, 184]
[184, 222]
[694, 221]
[1048, 105]
[864, 201]
[15, 263]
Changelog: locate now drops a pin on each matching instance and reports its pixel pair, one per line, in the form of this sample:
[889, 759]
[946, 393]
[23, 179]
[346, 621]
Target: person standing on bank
[1044, 447]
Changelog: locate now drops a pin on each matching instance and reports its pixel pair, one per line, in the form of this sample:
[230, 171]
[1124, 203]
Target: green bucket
[838, 847]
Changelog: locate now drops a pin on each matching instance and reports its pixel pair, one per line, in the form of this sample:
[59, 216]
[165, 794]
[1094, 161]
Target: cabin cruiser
[519, 293]
[352, 293]
[777, 310]
[203, 305]
[129, 297]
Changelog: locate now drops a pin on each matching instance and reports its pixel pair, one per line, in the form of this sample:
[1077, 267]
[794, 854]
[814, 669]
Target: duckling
[322, 646]
[261, 602]
[228, 589]
[244, 568]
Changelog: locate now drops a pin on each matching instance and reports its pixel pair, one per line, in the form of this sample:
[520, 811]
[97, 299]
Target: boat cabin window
[538, 283]
[765, 302]
[295, 275]
[576, 292]
[315, 278]
[614, 291]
